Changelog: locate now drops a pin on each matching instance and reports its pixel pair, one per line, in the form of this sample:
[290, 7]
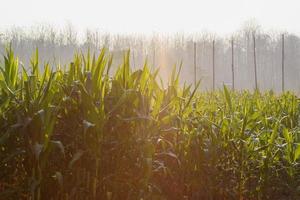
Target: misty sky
[127, 16]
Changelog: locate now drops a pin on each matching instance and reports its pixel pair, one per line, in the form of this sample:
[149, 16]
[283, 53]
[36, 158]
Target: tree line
[213, 59]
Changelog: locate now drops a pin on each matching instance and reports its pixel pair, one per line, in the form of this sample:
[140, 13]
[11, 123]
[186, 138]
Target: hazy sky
[221, 16]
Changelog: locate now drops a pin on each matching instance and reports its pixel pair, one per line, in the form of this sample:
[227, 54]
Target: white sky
[141, 16]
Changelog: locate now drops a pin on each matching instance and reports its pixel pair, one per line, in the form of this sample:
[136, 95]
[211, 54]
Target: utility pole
[195, 64]
[282, 64]
[232, 63]
[254, 57]
[213, 63]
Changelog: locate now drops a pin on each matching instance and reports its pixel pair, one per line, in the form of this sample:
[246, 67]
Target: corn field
[79, 132]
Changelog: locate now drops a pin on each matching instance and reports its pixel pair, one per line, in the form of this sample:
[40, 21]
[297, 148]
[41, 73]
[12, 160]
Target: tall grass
[76, 132]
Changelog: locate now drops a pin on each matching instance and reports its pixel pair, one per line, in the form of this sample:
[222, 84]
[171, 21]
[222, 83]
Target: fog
[166, 50]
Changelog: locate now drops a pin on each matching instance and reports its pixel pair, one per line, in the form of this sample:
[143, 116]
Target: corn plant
[82, 132]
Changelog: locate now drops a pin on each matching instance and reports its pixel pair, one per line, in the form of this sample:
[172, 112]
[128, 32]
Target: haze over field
[164, 32]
